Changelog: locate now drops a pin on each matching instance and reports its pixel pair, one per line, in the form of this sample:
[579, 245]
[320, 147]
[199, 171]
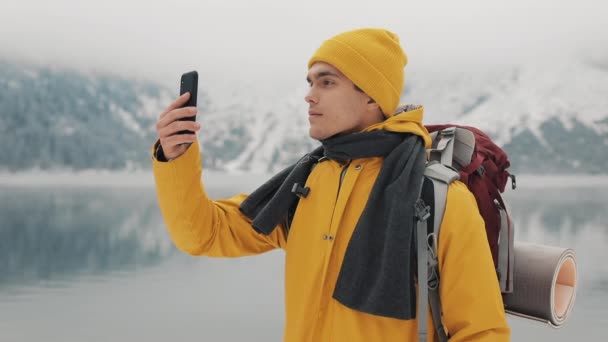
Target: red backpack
[486, 177]
[467, 154]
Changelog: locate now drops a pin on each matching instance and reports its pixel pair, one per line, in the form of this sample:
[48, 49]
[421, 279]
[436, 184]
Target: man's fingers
[177, 126]
[177, 139]
[168, 125]
[180, 101]
[167, 118]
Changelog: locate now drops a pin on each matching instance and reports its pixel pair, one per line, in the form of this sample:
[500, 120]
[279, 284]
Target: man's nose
[310, 97]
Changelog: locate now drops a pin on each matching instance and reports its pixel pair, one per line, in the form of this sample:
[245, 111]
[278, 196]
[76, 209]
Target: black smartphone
[189, 84]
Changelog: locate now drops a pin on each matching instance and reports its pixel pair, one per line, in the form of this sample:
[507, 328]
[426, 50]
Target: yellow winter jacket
[318, 236]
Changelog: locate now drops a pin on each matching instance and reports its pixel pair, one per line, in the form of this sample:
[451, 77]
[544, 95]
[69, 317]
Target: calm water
[95, 264]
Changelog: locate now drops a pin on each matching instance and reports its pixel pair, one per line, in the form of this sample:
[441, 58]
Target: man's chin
[316, 135]
[320, 137]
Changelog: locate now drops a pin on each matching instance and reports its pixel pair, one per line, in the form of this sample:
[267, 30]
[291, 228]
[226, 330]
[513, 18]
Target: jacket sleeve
[198, 225]
[470, 295]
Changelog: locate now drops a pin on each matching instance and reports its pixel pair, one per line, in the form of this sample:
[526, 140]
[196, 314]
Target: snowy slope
[551, 118]
[264, 134]
[66, 120]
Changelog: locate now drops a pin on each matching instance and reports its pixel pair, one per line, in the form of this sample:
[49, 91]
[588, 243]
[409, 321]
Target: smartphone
[189, 84]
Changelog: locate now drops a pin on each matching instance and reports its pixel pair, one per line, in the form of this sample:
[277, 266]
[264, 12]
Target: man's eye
[328, 82]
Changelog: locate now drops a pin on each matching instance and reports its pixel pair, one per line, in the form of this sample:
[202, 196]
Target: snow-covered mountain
[551, 118]
[255, 130]
[60, 119]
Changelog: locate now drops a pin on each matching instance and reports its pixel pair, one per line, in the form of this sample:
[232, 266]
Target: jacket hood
[408, 119]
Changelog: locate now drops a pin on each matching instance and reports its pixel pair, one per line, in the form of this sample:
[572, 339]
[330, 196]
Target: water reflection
[55, 234]
[570, 217]
[67, 235]
[554, 207]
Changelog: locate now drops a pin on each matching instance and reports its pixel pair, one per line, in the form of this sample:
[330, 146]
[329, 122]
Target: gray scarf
[377, 274]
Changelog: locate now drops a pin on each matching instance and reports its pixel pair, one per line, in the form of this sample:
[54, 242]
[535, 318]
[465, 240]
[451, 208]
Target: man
[344, 212]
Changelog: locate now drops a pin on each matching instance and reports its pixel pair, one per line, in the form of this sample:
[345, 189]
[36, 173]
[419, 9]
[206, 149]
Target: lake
[94, 263]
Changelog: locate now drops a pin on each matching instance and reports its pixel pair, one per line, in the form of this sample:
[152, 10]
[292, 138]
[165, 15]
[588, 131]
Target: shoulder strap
[506, 256]
[453, 146]
[424, 216]
[432, 206]
[441, 176]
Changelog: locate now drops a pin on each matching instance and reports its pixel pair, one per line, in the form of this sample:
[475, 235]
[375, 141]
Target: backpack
[467, 154]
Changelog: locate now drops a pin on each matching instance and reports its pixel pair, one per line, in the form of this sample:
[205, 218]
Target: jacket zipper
[342, 174]
[286, 227]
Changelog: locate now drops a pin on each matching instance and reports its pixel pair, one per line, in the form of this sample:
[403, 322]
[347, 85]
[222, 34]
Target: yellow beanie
[372, 59]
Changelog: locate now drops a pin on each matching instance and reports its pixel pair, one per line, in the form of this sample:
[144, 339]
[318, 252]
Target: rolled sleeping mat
[544, 283]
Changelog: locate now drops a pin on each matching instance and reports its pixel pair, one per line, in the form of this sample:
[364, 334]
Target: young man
[344, 213]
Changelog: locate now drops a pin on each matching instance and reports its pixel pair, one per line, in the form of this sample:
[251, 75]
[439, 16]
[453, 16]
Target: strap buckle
[300, 191]
[423, 211]
[433, 276]
[513, 182]
[448, 132]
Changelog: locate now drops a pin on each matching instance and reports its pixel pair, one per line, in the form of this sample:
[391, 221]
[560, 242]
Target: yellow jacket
[319, 234]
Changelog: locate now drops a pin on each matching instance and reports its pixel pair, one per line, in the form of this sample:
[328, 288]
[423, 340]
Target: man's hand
[174, 145]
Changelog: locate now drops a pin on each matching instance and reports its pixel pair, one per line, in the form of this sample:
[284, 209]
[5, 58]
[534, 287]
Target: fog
[269, 41]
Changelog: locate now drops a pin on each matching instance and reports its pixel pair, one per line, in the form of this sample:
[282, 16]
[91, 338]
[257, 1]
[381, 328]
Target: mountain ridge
[550, 119]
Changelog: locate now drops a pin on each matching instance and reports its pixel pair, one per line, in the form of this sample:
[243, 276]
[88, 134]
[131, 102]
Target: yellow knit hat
[372, 59]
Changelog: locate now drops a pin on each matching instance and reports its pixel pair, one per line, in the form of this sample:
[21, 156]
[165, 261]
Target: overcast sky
[265, 40]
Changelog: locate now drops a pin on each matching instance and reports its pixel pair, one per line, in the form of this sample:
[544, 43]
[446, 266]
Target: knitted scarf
[377, 273]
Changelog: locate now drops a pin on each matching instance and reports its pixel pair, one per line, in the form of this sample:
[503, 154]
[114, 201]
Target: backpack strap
[443, 152]
[506, 255]
[453, 146]
[424, 216]
[441, 176]
[430, 209]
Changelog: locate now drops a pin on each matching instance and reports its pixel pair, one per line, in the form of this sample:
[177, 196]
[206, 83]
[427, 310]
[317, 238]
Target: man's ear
[372, 104]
